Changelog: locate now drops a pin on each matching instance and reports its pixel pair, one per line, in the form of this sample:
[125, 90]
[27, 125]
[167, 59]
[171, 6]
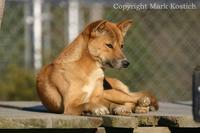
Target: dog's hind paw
[122, 110]
[100, 110]
[143, 105]
[144, 101]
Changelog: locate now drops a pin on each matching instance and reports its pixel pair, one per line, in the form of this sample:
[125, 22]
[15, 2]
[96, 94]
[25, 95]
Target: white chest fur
[89, 87]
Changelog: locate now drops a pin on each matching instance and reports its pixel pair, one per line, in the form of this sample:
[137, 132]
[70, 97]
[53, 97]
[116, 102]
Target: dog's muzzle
[122, 63]
[125, 63]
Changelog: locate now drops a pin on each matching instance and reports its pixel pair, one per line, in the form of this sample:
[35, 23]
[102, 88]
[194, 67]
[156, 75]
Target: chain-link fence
[163, 46]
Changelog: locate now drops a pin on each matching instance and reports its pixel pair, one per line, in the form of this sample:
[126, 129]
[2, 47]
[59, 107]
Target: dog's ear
[98, 27]
[124, 26]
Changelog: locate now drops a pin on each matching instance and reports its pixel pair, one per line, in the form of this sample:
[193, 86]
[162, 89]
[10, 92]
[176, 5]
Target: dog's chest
[92, 83]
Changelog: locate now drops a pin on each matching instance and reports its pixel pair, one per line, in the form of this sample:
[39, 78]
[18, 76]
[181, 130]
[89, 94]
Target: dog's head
[107, 41]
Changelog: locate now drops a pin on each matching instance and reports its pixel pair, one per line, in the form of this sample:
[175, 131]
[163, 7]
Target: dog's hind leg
[119, 97]
[120, 86]
[112, 83]
[123, 100]
[114, 88]
[51, 99]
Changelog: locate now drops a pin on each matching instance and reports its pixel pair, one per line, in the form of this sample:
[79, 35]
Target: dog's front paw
[122, 110]
[100, 110]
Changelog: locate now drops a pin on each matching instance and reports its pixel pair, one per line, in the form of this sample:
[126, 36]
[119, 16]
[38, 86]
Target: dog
[75, 84]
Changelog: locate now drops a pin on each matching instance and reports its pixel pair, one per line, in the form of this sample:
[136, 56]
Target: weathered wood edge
[32, 115]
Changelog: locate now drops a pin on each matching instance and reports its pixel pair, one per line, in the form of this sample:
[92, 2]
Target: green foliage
[17, 83]
[12, 35]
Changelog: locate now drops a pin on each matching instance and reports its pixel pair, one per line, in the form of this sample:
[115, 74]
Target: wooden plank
[169, 114]
[152, 130]
[34, 115]
[20, 115]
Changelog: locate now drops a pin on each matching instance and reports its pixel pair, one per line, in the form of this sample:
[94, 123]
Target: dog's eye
[122, 46]
[109, 45]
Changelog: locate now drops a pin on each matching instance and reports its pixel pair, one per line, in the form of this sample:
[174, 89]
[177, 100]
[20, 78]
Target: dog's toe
[122, 110]
[101, 110]
[144, 101]
[139, 109]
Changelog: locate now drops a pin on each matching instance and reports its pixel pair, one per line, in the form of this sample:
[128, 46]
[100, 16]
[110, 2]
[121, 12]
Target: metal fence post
[2, 2]
[73, 11]
[96, 12]
[46, 30]
[37, 12]
[28, 37]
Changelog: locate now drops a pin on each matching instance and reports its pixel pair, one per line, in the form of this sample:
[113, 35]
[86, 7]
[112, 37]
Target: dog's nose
[125, 63]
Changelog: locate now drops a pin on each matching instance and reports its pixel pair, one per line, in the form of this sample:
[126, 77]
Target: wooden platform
[32, 115]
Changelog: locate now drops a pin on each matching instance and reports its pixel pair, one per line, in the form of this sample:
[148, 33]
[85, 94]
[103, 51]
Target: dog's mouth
[112, 64]
[108, 64]
[105, 63]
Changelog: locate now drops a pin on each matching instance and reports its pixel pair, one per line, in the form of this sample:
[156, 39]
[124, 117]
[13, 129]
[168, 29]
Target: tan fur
[73, 82]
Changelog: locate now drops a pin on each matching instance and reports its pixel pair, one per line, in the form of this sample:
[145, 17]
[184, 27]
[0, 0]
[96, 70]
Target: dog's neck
[77, 51]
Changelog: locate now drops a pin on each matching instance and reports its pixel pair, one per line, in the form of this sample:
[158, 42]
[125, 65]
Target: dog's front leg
[97, 104]
[73, 104]
[78, 102]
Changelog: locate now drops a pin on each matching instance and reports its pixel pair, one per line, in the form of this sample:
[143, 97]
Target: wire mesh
[163, 47]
